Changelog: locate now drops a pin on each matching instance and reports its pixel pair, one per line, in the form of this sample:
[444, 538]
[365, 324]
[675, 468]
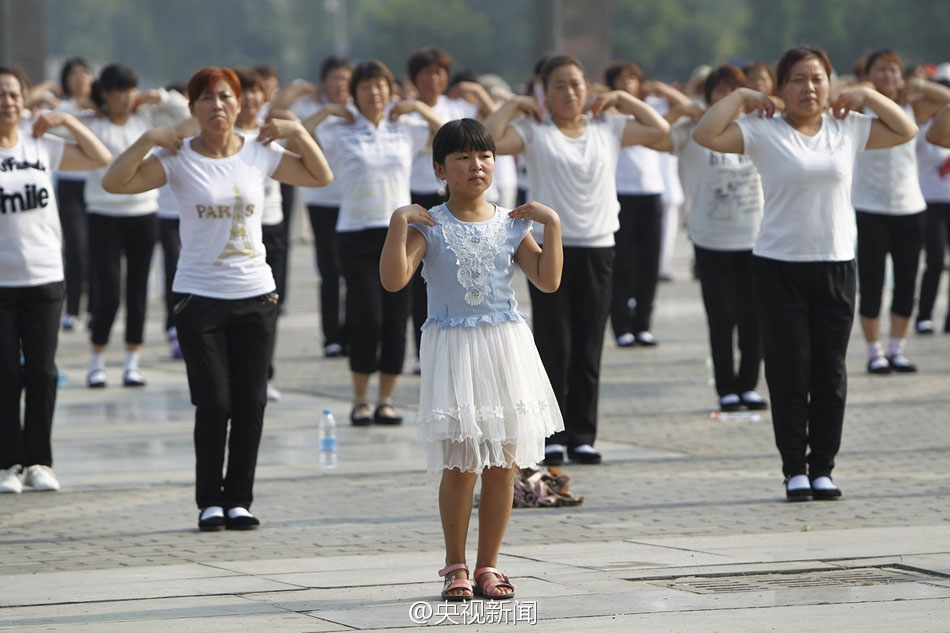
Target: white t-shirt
[372, 164]
[330, 195]
[220, 199]
[724, 190]
[885, 180]
[933, 167]
[639, 172]
[167, 203]
[70, 106]
[575, 177]
[273, 208]
[30, 234]
[423, 180]
[172, 107]
[807, 215]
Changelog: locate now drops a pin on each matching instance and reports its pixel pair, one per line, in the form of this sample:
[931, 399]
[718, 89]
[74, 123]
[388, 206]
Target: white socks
[212, 512]
[97, 362]
[875, 350]
[554, 448]
[751, 396]
[584, 448]
[798, 482]
[895, 347]
[131, 360]
[823, 483]
[234, 513]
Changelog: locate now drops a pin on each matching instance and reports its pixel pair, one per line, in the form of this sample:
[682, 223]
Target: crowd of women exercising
[795, 182]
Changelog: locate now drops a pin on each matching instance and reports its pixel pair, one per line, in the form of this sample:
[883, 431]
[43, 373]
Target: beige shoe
[39, 477]
[11, 479]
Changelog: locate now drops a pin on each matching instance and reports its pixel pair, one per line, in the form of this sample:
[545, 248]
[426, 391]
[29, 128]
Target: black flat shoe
[386, 416]
[211, 524]
[901, 365]
[585, 457]
[825, 493]
[242, 522]
[879, 365]
[553, 458]
[797, 494]
[754, 405]
[359, 416]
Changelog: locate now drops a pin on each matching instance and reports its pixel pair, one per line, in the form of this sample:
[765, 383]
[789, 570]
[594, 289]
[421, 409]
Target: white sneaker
[273, 395]
[39, 477]
[626, 340]
[10, 479]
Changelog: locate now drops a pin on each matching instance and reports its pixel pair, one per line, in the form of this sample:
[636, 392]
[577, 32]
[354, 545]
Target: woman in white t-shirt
[122, 227]
[373, 145]
[933, 161]
[228, 312]
[31, 280]
[572, 162]
[725, 194]
[803, 257]
[889, 207]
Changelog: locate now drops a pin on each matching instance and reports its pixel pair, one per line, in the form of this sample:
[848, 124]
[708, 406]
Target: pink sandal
[451, 584]
[498, 580]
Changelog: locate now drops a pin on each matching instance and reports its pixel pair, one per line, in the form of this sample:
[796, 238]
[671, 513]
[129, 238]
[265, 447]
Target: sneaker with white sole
[96, 379]
[925, 326]
[273, 395]
[132, 377]
[11, 479]
[40, 477]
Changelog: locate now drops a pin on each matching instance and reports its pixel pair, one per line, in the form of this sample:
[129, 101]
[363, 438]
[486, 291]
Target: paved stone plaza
[684, 526]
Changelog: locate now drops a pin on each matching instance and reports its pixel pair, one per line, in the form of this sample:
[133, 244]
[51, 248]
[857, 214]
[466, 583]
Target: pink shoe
[487, 586]
[451, 584]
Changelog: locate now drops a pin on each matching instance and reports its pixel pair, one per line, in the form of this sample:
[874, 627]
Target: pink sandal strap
[488, 585]
[457, 583]
[448, 569]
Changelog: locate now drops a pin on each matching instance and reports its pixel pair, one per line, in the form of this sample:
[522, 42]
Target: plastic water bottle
[328, 447]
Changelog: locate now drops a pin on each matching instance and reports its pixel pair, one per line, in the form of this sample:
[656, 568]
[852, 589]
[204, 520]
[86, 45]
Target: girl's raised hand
[47, 121]
[849, 99]
[275, 129]
[415, 214]
[169, 137]
[529, 107]
[534, 211]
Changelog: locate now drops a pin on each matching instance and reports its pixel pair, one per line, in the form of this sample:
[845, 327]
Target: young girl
[485, 404]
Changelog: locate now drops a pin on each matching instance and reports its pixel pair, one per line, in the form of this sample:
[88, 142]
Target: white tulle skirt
[485, 398]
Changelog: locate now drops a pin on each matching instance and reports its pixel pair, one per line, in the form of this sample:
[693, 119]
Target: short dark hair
[615, 69]
[266, 71]
[113, 77]
[885, 54]
[794, 55]
[758, 64]
[370, 70]
[68, 66]
[249, 78]
[553, 63]
[331, 63]
[6, 70]
[725, 74]
[461, 135]
[422, 57]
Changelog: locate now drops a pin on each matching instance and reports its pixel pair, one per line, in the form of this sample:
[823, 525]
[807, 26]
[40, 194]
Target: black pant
[420, 302]
[72, 216]
[109, 238]
[375, 318]
[569, 329]
[287, 195]
[807, 309]
[171, 247]
[637, 264]
[936, 239]
[329, 265]
[902, 237]
[729, 297]
[275, 243]
[29, 322]
[226, 345]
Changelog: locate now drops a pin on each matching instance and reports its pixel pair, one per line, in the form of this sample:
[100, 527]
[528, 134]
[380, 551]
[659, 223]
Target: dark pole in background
[23, 36]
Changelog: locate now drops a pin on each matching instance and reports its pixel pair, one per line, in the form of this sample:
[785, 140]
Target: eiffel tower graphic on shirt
[238, 243]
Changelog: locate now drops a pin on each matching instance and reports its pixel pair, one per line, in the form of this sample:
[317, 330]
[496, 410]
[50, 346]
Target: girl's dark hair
[68, 66]
[422, 57]
[615, 69]
[6, 70]
[758, 64]
[794, 55]
[461, 135]
[556, 62]
[725, 74]
[885, 54]
[370, 70]
[113, 77]
[331, 63]
[249, 78]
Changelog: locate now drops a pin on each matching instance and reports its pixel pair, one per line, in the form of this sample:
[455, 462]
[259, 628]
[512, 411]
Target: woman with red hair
[227, 316]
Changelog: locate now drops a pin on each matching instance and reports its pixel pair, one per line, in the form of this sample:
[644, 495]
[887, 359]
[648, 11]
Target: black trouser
[72, 216]
[29, 322]
[936, 239]
[275, 243]
[569, 329]
[171, 247]
[807, 309]
[729, 297]
[375, 318]
[323, 222]
[287, 196]
[109, 238]
[902, 237]
[420, 302]
[637, 265]
[226, 345]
